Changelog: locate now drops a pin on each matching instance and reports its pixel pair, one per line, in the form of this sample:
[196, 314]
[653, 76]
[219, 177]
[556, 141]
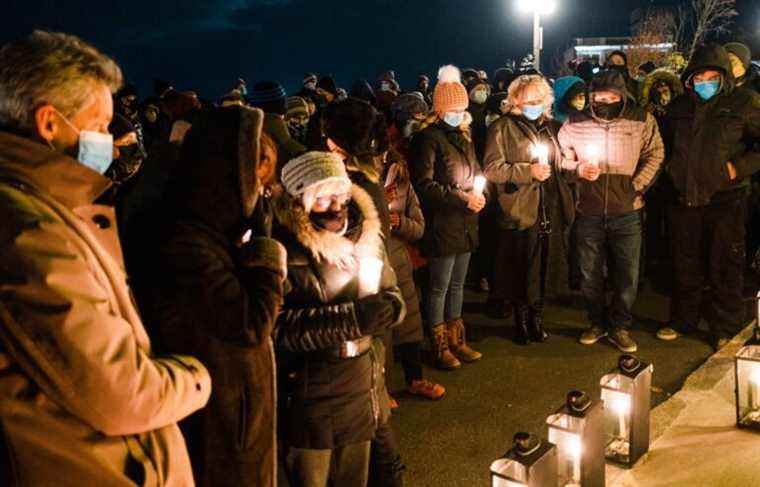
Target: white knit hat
[311, 169]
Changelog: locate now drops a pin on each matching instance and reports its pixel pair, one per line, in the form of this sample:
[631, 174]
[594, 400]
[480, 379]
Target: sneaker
[623, 341]
[592, 335]
[425, 388]
[667, 334]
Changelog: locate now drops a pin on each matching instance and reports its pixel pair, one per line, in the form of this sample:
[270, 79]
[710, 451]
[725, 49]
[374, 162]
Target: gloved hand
[264, 252]
[376, 312]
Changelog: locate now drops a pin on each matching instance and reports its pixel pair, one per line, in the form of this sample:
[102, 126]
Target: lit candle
[593, 154]
[622, 406]
[541, 152]
[575, 449]
[479, 185]
[370, 271]
[754, 388]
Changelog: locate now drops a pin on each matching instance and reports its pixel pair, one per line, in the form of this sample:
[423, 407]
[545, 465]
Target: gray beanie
[313, 168]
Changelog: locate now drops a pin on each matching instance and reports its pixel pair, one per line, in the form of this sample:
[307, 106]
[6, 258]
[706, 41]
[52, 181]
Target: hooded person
[363, 91]
[710, 131]
[740, 57]
[214, 286]
[616, 151]
[658, 90]
[496, 106]
[315, 131]
[309, 89]
[585, 71]
[479, 90]
[569, 97]
[502, 78]
[423, 86]
[129, 156]
[343, 291]
[618, 61]
[271, 97]
[297, 118]
[444, 167]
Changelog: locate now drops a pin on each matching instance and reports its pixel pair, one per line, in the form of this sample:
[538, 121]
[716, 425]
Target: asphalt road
[513, 388]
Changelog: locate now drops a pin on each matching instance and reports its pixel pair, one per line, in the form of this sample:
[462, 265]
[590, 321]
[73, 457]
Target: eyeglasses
[327, 201]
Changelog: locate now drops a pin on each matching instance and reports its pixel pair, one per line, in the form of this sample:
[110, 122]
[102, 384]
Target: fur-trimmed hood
[328, 247]
[661, 74]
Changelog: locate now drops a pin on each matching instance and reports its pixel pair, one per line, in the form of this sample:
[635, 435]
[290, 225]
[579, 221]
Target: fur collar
[329, 247]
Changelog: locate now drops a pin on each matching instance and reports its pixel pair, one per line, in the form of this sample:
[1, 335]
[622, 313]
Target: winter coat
[410, 229]
[443, 167]
[507, 164]
[630, 154]
[565, 89]
[478, 128]
[655, 77]
[213, 299]
[328, 402]
[84, 401]
[704, 136]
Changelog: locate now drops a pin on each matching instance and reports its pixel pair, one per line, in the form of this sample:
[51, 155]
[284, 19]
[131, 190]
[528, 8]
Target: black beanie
[270, 96]
[327, 83]
[357, 127]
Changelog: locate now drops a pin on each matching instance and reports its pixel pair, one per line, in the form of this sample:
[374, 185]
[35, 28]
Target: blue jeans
[614, 241]
[446, 293]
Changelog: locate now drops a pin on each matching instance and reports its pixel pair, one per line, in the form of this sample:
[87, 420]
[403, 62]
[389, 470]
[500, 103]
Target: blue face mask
[95, 149]
[533, 112]
[707, 89]
[454, 119]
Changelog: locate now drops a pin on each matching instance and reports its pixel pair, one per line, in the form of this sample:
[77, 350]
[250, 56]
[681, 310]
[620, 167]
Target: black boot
[537, 332]
[522, 318]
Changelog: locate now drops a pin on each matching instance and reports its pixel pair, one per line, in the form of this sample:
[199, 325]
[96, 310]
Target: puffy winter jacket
[328, 402]
[443, 167]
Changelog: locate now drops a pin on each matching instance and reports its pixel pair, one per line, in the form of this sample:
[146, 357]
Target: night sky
[207, 44]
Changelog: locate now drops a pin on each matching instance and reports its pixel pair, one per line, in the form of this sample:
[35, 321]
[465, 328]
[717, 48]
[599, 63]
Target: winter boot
[458, 342]
[444, 359]
[522, 319]
[537, 332]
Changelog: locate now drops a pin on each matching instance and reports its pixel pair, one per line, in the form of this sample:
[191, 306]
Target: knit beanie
[270, 96]
[410, 104]
[297, 106]
[327, 83]
[357, 127]
[313, 168]
[450, 95]
[741, 51]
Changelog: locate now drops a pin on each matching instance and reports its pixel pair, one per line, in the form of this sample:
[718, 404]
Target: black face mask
[619, 68]
[332, 221]
[607, 111]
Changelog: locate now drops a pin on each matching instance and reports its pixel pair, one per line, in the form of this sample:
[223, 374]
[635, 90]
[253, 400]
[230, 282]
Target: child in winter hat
[450, 95]
[315, 174]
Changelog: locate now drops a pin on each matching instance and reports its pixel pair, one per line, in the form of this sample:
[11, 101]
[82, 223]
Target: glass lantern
[627, 395]
[577, 430]
[747, 371]
[529, 463]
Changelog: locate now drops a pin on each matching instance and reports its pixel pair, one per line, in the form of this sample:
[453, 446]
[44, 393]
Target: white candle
[541, 152]
[593, 154]
[479, 185]
[754, 388]
[370, 271]
[575, 449]
[622, 406]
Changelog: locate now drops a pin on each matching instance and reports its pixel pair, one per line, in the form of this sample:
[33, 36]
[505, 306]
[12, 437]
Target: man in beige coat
[83, 402]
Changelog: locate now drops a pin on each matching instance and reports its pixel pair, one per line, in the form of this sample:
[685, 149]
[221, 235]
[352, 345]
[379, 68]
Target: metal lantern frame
[747, 376]
[627, 396]
[578, 435]
[529, 463]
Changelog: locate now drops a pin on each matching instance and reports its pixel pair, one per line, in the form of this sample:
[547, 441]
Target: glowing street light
[537, 8]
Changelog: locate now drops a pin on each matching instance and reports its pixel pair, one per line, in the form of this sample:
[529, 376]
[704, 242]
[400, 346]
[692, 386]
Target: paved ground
[452, 442]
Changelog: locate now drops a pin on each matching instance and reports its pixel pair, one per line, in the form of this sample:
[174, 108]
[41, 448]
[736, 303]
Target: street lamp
[538, 8]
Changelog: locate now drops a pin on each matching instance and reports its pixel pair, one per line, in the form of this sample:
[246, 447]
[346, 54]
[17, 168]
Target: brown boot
[458, 342]
[443, 358]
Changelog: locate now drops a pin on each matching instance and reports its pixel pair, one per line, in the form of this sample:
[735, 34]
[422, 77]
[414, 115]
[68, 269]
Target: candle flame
[621, 404]
[480, 184]
[754, 376]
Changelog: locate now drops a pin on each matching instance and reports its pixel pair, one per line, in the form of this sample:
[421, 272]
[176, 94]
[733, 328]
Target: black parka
[702, 136]
[443, 167]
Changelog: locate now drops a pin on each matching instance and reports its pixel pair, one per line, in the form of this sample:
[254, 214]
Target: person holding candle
[522, 161]
[333, 392]
[616, 151]
[443, 167]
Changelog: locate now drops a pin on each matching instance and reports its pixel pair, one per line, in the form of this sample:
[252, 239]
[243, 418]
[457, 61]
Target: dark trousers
[312, 468]
[411, 360]
[615, 241]
[520, 267]
[709, 247]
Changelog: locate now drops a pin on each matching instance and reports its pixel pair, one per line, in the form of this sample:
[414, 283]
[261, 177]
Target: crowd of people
[213, 293]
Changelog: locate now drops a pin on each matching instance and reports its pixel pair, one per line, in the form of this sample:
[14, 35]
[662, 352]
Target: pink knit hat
[450, 95]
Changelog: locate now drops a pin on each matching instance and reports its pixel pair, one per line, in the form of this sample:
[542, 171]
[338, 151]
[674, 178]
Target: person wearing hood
[479, 91]
[363, 91]
[443, 167]
[710, 163]
[569, 97]
[84, 397]
[297, 118]
[343, 292]
[502, 78]
[271, 97]
[618, 61]
[214, 287]
[660, 87]
[523, 161]
[129, 154]
[423, 86]
[585, 71]
[407, 227]
[740, 57]
[616, 150]
[309, 88]
[315, 132]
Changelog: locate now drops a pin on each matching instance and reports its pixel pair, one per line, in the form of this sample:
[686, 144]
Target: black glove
[376, 312]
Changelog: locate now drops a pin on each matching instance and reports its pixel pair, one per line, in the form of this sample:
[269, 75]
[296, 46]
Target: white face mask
[95, 148]
[480, 97]
[454, 119]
